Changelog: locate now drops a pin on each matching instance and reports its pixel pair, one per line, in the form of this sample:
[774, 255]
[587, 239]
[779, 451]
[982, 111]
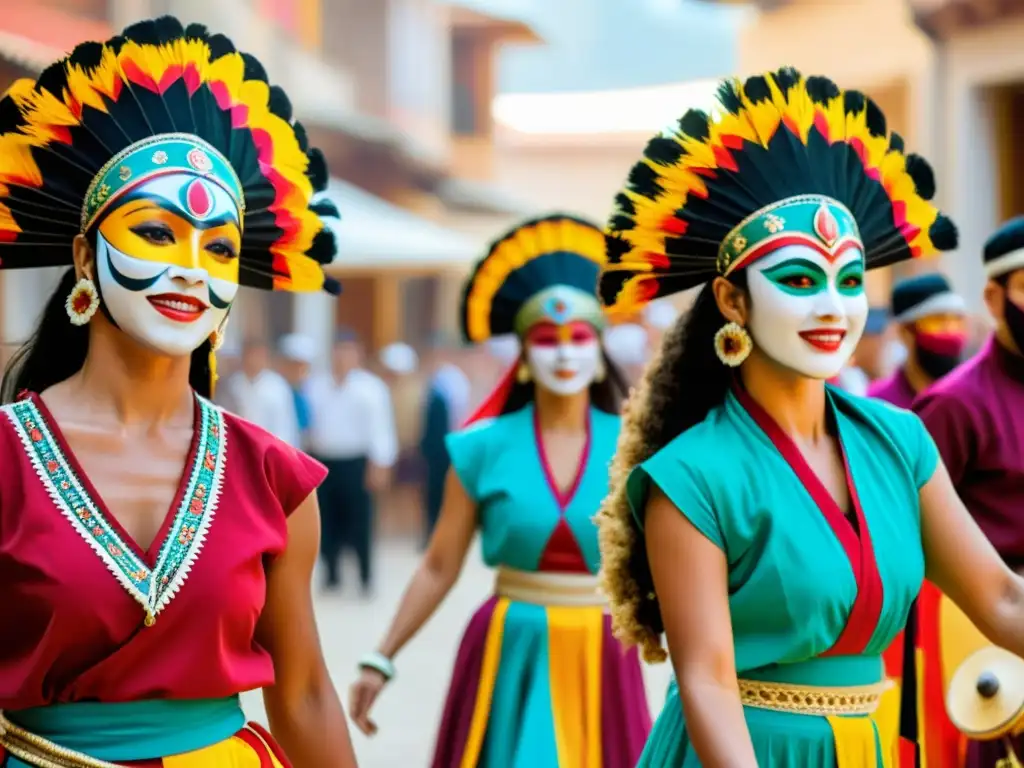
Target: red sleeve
[292, 474]
[952, 428]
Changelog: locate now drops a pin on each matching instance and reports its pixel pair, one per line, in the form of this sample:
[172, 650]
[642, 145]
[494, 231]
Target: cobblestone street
[409, 710]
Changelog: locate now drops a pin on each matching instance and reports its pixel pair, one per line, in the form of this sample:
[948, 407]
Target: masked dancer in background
[976, 416]
[776, 528]
[931, 321]
[539, 681]
[155, 551]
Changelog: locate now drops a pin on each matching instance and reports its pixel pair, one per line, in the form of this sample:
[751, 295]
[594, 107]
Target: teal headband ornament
[158, 156]
[559, 304]
[815, 221]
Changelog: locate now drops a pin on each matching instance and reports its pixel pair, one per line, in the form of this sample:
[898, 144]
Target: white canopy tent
[375, 234]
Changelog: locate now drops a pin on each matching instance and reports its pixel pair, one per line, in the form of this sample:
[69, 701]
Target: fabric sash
[135, 730]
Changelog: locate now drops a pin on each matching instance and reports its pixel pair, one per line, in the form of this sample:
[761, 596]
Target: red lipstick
[178, 307]
[824, 339]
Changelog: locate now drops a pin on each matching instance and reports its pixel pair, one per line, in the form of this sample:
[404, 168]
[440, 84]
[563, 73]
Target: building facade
[397, 95]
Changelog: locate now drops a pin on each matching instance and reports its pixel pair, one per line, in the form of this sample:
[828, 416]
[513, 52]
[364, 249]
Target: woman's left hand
[361, 698]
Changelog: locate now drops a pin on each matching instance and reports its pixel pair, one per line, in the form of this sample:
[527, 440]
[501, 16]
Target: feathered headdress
[545, 268]
[160, 98]
[786, 160]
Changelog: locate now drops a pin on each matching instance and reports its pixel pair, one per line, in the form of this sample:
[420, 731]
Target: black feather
[943, 234]
[253, 69]
[317, 170]
[921, 172]
[729, 96]
[757, 89]
[663, 150]
[875, 119]
[644, 181]
[280, 104]
[325, 208]
[786, 78]
[695, 124]
[324, 247]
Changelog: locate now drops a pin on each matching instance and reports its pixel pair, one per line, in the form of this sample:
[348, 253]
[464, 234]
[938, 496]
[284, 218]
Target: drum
[985, 688]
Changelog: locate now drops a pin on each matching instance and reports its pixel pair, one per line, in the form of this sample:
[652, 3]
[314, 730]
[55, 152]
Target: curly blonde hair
[683, 382]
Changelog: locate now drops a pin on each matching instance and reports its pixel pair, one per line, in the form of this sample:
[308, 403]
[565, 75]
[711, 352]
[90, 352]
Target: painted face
[563, 358]
[807, 312]
[167, 261]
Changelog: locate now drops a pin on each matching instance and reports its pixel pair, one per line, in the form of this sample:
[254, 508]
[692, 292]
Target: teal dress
[815, 596]
[539, 684]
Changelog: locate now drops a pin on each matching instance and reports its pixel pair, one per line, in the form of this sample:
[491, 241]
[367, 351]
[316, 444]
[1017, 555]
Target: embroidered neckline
[153, 588]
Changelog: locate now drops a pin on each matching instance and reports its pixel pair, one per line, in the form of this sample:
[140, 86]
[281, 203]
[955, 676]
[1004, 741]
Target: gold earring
[523, 373]
[83, 301]
[601, 372]
[733, 344]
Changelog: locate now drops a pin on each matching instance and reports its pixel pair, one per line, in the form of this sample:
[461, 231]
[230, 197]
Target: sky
[616, 44]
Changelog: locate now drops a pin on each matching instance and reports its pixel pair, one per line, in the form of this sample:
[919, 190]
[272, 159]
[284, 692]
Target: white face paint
[563, 359]
[808, 313]
[167, 262]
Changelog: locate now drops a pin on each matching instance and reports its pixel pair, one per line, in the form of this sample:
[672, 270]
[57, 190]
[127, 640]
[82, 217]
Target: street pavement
[409, 709]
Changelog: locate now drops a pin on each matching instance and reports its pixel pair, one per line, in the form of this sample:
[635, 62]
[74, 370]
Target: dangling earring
[523, 373]
[733, 344]
[601, 372]
[216, 342]
[82, 302]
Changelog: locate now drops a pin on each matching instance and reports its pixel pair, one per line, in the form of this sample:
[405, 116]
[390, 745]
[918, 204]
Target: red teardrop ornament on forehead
[825, 226]
[199, 199]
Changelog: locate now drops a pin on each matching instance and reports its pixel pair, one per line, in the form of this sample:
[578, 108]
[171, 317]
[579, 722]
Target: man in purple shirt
[933, 328]
[976, 416]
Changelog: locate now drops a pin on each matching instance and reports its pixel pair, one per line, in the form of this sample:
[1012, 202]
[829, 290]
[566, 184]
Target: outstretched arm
[691, 578]
[303, 708]
[433, 579]
[962, 562]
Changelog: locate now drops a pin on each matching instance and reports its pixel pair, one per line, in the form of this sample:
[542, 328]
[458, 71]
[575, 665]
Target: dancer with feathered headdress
[155, 551]
[539, 680]
[773, 527]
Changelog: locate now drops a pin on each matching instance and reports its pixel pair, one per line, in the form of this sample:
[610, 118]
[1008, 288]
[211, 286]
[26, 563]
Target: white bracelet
[378, 662]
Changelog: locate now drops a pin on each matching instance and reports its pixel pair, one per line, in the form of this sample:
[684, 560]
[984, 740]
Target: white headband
[947, 303]
[1008, 262]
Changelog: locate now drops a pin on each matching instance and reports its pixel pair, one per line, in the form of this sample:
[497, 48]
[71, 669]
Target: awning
[375, 234]
[479, 197]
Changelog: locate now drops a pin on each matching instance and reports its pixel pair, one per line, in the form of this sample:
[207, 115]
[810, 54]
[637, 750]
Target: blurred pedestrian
[352, 431]
[444, 409]
[932, 326]
[298, 353]
[261, 395]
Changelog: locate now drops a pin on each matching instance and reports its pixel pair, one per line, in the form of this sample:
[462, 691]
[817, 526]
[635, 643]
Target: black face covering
[938, 353]
[935, 364]
[1014, 316]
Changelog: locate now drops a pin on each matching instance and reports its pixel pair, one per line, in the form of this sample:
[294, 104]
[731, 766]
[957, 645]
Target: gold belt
[43, 753]
[560, 589]
[813, 699]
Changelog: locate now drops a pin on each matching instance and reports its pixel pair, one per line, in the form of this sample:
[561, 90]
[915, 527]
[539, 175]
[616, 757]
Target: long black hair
[678, 389]
[57, 349]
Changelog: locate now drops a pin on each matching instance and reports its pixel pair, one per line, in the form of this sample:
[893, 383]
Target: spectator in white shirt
[261, 395]
[352, 431]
